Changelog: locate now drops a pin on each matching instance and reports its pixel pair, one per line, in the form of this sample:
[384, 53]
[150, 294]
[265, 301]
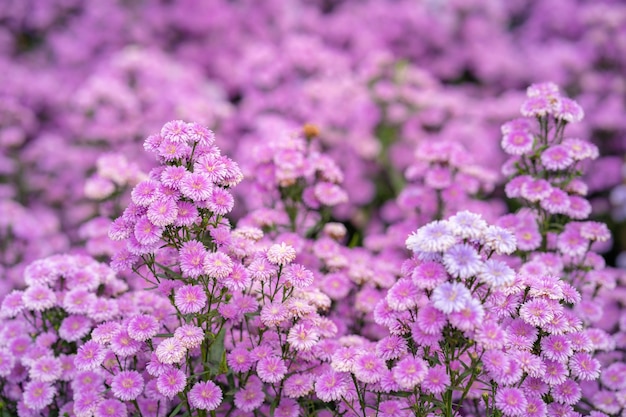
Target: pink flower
[331, 386]
[409, 372]
[127, 385]
[450, 297]
[517, 142]
[171, 382]
[251, 396]
[170, 351]
[205, 396]
[90, 356]
[39, 298]
[189, 336]
[38, 395]
[511, 401]
[196, 186]
[281, 254]
[190, 299]
[143, 327]
[163, 212]
[111, 408]
[271, 369]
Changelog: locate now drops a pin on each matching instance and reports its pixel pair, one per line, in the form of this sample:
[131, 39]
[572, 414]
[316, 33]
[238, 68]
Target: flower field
[331, 208]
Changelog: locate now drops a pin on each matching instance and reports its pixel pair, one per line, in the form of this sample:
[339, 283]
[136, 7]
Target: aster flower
[557, 202]
[170, 351]
[517, 142]
[46, 369]
[271, 369]
[218, 265]
[192, 258]
[196, 186]
[38, 395]
[127, 385]
[163, 212]
[462, 261]
[251, 396]
[143, 327]
[111, 408]
[556, 372]
[430, 319]
[303, 336]
[569, 110]
[535, 190]
[39, 298]
[190, 299]
[556, 158]
[123, 345]
[450, 297]
[470, 317]
[403, 295]
[500, 240]
[409, 372]
[205, 395]
[298, 276]
[568, 392]
[238, 279]
[189, 336]
[511, 401]
[584, 366]
[145, 193]
[281, 254]
[146, 232]
[239, 359]
[391, 347]
[429, 275]
[332, 386]
[436, 380]
[90, 356]
[436, 236]
[171, 382]
[74, 327]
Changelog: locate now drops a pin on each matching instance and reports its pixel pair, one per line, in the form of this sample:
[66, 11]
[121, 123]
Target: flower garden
[331, 208]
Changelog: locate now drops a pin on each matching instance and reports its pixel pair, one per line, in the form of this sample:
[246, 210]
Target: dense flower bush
[244, 208]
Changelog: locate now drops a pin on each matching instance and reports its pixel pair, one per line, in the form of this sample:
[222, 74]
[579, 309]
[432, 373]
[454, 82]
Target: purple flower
[190, 299]
[205, 396]
[281, 254]
[127, 385]
[196, 186]
[511, 401]
[436, 380]
[90, 356]
[409, 372]
[171, 382]
[38, 395]
[331, 386]
[271, 369]
[450, 297]
[74, 328]
[517, 142]
[143, 327]
[251, 396]
[39, 298]
[189, 336]
[111, 408]
[170, 351]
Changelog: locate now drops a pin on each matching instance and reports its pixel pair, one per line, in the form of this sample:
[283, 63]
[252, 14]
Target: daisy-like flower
[163, 212]
[438, 177]
[496, 274]
[12, 304]
[556, 158]
[580, 149]
[470, 316]
[409, 372]
[170, 351]
[450, 297]
[511, 401]
[528, 238]
[534, 190]
[569, 110]
[74, 327]
[436, 236]
[218, 265]
[146, 232]
[536, 312]
[500, 240]
[38, 395]
[430, 319]
[298, 276]
[189, 336]
[298, 385]
[238, 279]
[462, 261]
[127, 385]
[192, 258]
[239, 359]
[111, 408]
[123, 345]
[428, 275]
[281, 254]
[196, 186]
[187, 213]
[467, 225]
[329, 194]
[250, 397]
[368, 367]
[595, 231]
[171, 382]
[579, 208]
[143, 327]
[220, 201]
[90, 356]
[205, 395]
[403, 295]
[571, 243]
[190, 299]
[303, 336]
[535, 407]
[517, 142]
[436, 380]
[568, 392]
[39, 298]
[145, 193]
[557, 202]
[556, 372]
[391, 347]
[584, 366]
[331, 386]
[7, 361]
[46, 369]
[273, 314]
[271, 369]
